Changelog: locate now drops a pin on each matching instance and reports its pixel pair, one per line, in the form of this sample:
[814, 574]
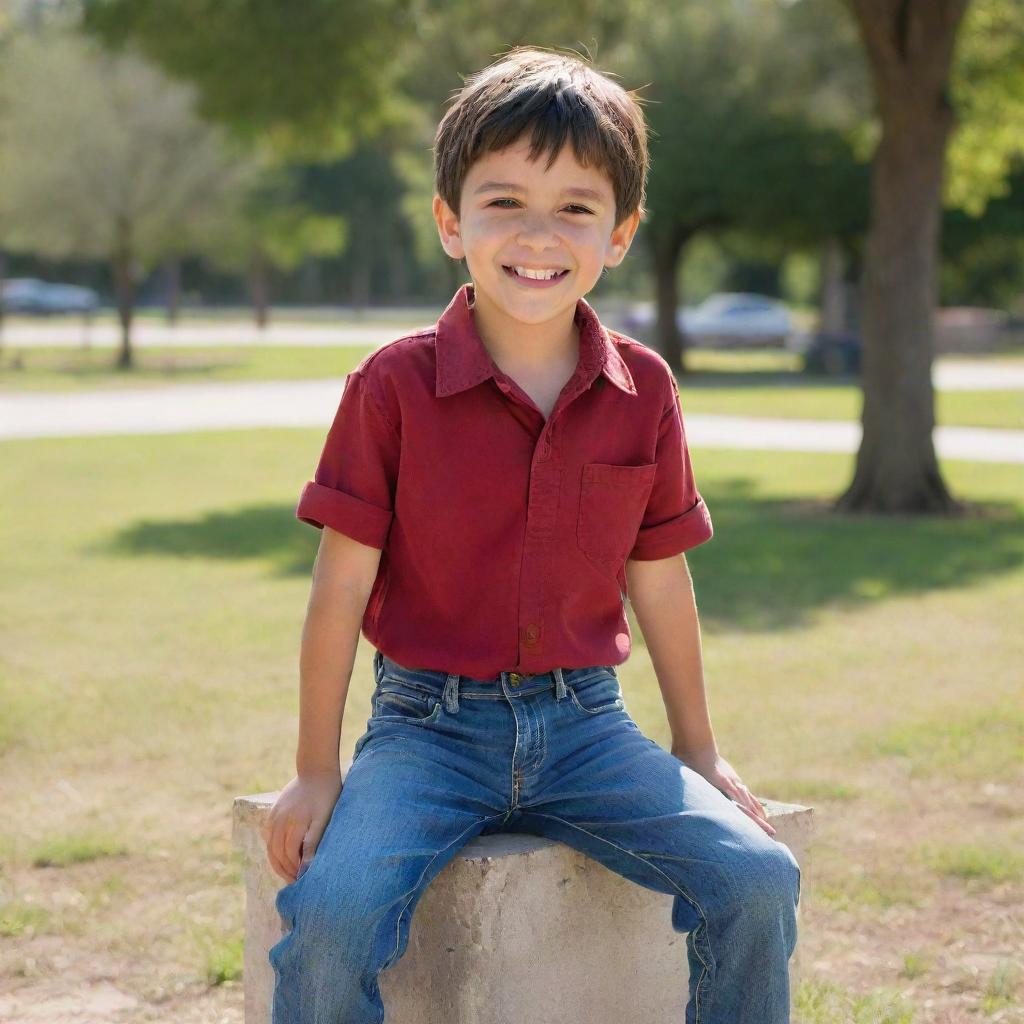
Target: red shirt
[504, 537]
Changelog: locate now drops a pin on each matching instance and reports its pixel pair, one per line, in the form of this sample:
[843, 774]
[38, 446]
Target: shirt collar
[462, 360]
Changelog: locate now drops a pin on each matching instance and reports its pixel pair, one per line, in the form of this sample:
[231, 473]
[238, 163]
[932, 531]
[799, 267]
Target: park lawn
[797, 400]
[152, 592]
[77, 369]
[723, 383]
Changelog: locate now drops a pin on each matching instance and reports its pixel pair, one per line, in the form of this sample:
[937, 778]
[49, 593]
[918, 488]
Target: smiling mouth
[524, 277]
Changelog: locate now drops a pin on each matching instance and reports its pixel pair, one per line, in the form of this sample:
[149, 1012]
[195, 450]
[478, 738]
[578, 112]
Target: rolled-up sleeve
[676, 518]
[353, 488]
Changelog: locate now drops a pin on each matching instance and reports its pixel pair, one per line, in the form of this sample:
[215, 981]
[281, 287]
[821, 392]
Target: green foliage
[104, 157]
[987, 86]
[309, 74]
[730, 111]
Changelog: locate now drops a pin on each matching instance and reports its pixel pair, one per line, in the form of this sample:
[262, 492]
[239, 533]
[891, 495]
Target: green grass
[24, 918]
[880, 887]
[975, 743]
[726, 383]
[915, 965]
[219, 956]
[60, 851]
[1001, 988]
[980, 861]
[152, 592]
[793, 398]
[827, 1003]
[72, 369]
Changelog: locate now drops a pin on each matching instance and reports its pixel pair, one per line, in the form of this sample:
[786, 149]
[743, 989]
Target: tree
[308, 75]
[746, 137]
[909, 46]
[264, 224]
[104, 158]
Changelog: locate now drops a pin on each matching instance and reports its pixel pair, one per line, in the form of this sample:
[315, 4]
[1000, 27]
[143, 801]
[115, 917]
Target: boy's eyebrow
[508, 186]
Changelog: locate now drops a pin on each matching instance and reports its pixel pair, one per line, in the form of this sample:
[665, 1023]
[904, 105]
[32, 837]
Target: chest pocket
[612, 504]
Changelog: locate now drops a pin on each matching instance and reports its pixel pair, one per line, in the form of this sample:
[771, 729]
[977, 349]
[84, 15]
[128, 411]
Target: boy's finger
[276, 865]
[292, 852]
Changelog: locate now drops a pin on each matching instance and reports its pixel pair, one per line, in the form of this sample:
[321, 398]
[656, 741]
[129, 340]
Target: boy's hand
[723, 776]
[297, 820]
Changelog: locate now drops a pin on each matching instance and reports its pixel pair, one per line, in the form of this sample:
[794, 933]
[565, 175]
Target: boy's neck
[526, 348]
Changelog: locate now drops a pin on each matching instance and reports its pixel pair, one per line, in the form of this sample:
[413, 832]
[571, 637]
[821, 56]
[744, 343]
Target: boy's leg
[403, 813]
[616, 795]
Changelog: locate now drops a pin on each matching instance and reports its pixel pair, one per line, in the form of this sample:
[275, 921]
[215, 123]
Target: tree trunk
[398, 278]
[3, 277]
[258, 287]
[910, 49]
[124, 288]
[172, 289]
[832, 303]
[666, 250]
[359, 287]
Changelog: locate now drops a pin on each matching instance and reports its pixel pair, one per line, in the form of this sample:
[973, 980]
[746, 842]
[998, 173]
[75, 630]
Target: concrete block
[514, 928]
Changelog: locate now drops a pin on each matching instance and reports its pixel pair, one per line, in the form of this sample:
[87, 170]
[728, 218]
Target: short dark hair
[557, 96]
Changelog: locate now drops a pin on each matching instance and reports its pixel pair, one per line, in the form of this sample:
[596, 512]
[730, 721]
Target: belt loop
[378, 661]
[559, 684]
[451, 693]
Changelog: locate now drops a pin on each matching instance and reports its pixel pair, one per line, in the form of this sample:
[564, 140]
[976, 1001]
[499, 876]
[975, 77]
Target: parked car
[824, 352]
[30, 295]
[723, 320]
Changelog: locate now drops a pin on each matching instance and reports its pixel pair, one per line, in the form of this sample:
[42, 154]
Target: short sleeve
[353, 489]
[676, 517]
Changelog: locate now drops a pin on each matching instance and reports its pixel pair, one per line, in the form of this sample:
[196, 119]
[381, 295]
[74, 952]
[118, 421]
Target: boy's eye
[572, 206]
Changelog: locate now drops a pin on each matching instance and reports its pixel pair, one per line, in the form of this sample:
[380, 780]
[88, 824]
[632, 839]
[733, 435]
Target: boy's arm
[343, 576]
[661, 593]
[662, 598]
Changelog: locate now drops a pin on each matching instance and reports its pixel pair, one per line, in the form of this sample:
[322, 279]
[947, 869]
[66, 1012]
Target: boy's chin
[533, 308]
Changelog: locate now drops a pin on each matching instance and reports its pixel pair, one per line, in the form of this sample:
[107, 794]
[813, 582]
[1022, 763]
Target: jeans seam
[682, 892]
[412, 892]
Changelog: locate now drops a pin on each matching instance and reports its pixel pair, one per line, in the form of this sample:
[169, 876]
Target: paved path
[190, 407]
[214, 335]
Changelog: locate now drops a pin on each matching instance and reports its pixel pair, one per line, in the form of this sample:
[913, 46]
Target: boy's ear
[621, 237]
[448, 229]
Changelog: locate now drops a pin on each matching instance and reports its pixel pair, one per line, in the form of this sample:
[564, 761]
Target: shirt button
[532, 633]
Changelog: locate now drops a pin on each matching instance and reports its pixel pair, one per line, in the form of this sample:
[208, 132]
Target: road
[192, 407]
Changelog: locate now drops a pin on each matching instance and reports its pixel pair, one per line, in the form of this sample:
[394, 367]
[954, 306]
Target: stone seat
[515, 928]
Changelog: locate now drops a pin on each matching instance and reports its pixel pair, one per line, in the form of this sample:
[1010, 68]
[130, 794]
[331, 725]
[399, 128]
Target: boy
[490, 491]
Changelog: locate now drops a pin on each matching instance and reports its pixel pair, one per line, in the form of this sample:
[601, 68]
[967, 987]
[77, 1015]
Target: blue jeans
[556, 755]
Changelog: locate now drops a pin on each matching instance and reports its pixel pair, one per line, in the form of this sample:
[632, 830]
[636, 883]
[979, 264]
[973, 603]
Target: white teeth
[537, 275]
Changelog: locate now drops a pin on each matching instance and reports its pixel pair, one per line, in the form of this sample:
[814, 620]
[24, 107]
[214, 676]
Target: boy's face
[516, 213]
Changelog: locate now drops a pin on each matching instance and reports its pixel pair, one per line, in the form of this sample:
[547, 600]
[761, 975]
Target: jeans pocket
[401, 699]
[597, 694]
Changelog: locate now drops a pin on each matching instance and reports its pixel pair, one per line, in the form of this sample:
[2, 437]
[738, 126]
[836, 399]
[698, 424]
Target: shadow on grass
[771, 564]
[774, 561]
[267, 532]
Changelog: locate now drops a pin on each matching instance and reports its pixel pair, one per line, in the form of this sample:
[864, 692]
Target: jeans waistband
[504, 682]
